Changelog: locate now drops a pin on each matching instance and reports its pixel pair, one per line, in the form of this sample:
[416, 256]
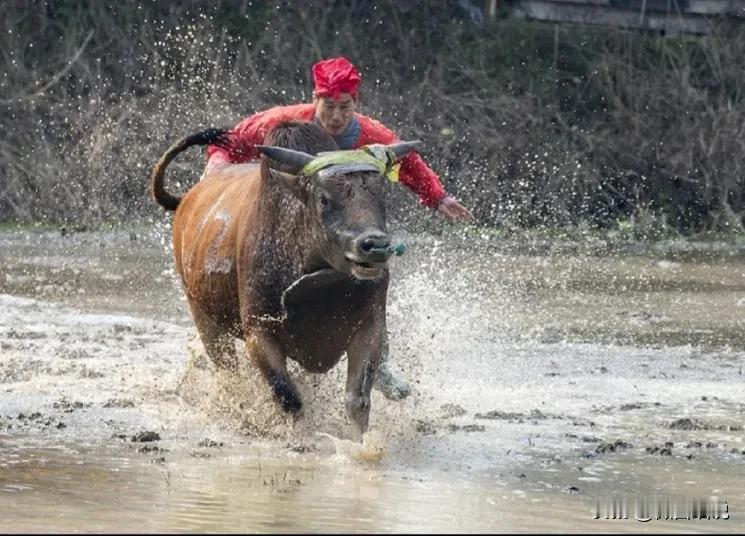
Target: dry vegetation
[530, 124]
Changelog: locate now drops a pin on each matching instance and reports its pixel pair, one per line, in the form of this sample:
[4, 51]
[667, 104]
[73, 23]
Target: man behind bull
[334, 107]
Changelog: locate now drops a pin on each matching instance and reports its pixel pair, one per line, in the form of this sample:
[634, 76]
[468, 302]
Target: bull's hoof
[287, 397]
[291, 403]
[392, 387]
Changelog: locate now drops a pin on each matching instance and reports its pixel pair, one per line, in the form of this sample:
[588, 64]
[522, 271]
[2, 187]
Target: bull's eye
[323, 200]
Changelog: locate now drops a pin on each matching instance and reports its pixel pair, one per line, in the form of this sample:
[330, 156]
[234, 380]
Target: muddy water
[547, 377]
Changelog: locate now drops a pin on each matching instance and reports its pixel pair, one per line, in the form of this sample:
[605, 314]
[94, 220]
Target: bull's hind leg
[267, 355]
[218, 340]
[391, 386]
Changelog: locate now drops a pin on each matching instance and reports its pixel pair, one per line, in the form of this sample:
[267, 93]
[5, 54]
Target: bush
[529, 124]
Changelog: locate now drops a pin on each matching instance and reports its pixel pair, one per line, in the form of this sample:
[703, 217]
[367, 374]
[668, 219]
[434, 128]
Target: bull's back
[206, 231]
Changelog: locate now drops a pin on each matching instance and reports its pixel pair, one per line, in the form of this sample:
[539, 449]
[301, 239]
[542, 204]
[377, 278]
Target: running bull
[289, 254]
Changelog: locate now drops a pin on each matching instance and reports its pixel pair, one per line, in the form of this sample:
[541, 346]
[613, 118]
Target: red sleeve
[422, 180]
[241, 141]
[414, 173]
[244, 137]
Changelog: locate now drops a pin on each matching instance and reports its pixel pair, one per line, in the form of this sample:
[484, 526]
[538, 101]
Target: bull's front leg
[363, 354]
[266, 352]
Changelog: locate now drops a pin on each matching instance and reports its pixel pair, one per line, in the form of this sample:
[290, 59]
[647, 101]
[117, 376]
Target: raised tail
[157, 190]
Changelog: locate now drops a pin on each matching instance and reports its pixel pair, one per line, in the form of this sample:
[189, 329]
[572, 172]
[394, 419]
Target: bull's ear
[298, 185]
[403, 148]
[295, 160]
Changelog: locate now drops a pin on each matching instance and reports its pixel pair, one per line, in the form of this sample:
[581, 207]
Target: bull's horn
[295, 159]
[401, 149]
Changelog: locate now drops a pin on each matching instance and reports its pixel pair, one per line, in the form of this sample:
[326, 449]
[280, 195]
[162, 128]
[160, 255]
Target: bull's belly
[323, 316]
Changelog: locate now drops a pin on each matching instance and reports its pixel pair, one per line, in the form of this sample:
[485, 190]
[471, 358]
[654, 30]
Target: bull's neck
[285, 231]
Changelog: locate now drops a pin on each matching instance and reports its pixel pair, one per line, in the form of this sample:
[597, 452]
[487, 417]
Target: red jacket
[251, 131]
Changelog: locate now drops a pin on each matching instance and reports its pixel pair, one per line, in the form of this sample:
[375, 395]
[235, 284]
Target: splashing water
[530, 374]
[371, 449]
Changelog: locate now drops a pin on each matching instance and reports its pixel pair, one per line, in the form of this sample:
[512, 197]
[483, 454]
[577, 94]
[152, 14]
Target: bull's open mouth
[366, 270]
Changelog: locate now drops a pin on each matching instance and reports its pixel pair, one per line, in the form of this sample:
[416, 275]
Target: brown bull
[295, 263]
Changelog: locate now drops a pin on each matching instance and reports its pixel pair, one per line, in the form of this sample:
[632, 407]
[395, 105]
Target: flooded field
[548, 380]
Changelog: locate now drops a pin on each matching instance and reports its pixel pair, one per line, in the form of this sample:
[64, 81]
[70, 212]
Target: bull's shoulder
[225, 170]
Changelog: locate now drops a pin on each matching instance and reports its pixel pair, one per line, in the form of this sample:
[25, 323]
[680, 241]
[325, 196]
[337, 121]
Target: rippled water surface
[546, 377]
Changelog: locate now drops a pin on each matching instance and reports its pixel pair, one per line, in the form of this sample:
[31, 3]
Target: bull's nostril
[373, 243]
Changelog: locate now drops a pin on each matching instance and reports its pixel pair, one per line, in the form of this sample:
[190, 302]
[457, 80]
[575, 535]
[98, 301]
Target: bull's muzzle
[369, 254]
[372, 247]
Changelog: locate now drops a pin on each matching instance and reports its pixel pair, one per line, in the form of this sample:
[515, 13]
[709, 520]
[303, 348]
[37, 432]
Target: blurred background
[622, 116]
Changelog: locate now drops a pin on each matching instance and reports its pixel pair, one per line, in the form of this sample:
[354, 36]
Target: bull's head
[343, 196]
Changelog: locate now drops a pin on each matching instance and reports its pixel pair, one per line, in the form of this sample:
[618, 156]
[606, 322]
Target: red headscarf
[335, 76]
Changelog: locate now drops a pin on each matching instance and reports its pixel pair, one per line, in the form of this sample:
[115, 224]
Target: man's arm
[246, 135]
[240, 144]
[420, 179]
[415, 173]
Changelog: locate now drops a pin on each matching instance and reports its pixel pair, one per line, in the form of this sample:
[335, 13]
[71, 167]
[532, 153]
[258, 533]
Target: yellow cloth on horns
[378, 156]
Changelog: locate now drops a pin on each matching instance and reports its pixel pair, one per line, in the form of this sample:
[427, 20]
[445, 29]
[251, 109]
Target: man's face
[334, 115]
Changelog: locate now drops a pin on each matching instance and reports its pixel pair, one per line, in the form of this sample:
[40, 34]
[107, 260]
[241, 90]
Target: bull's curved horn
[401, 149]
[295, 159]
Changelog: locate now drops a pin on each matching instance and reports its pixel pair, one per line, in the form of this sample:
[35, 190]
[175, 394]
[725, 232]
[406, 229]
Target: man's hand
[452, 210]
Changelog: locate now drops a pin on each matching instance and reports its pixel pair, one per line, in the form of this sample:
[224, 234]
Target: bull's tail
[157, 190]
